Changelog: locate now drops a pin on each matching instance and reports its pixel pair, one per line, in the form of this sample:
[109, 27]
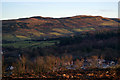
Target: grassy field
[24, 44]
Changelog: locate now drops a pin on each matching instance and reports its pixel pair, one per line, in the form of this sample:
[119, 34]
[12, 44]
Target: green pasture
[24, 44]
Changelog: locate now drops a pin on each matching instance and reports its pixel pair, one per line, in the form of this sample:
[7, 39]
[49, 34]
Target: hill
[72, 47]
[78, 36]
[39, 28]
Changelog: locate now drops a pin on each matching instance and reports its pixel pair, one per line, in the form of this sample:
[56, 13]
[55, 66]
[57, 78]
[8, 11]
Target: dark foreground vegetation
[91, 68]
[90, 74]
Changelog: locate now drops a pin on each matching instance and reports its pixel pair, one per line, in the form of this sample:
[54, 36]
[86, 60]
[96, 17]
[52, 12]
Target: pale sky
[15, 10]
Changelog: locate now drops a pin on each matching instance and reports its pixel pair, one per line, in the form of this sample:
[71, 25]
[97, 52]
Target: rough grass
[20, 36]
[55, 33]
[78, 30]
[61, 30]
[36, 33]
[88, 29]
[9, 37]
[83, 29]
[107, 23]
[29, 32]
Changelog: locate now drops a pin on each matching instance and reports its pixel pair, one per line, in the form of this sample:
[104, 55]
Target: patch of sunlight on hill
[78, 30]
[55, 33]
[30, 31]
[83, 29]
[61, 30]
[20, 36]
[36, 33]
[88, 29]
[92, 28]
[107, 23]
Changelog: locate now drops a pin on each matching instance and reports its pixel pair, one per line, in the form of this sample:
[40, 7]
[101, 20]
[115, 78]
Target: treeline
[40, 65]
[89, 36]
[37, 65]
[81, 45]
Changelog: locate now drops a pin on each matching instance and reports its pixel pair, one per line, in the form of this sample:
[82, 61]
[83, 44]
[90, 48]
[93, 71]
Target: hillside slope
[44, 27]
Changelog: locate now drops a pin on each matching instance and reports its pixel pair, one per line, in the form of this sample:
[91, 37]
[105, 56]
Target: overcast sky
[14, 10]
